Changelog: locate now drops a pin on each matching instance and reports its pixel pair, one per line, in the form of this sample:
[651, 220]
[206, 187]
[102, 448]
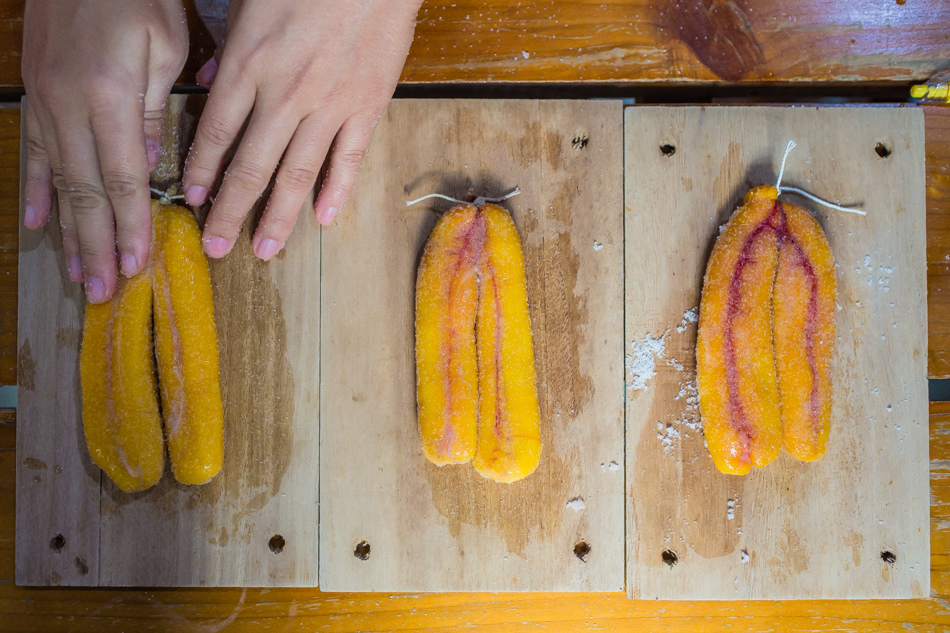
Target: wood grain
[640, 40]
[24, 609]
[267, 316]
[937, 122]
[790, 530]
[57, 484]
[447, 529]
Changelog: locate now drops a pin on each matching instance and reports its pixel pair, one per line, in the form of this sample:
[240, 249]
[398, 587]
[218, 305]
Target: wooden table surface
[847, 45]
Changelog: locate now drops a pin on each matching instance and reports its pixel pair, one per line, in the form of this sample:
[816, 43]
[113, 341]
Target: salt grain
[576, 504]
[641, 365]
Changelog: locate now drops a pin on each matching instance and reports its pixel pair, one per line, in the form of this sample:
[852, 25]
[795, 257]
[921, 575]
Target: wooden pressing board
[791, 530]
[446, 529]
[74, 527]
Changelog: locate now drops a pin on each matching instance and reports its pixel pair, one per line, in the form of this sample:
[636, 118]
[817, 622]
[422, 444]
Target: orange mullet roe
[122, 420]
[476, 385]
[766, 336]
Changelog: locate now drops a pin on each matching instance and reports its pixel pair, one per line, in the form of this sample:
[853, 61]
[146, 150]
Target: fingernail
[216, 246]
[95, 291]
[206, 74]
[152, 150]
[196, 195]
[266, 249]
[128, 264]
[74, 268]
[29, 217]
[325, 216]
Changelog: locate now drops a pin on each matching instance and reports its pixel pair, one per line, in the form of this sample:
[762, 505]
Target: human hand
[97, 74]
[308, 77]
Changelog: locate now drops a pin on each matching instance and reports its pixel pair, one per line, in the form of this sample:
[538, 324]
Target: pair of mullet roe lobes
[475, 373]
[122, 419]
[766, 336]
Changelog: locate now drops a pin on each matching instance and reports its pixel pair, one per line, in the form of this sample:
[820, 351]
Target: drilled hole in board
[889, 557]
[276, 543]
[57, 543]
[670, 557]
[362, 550]
[580, 141]
[882, 150]
[667, 149]
[582, 550]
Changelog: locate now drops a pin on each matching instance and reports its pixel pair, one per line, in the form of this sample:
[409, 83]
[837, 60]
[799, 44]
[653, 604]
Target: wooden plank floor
[303, 610]
[640, 41]
[234, 610]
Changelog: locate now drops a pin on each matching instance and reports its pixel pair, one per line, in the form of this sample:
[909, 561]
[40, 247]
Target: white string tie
[478, 202]
[164, 197]
[778, 186]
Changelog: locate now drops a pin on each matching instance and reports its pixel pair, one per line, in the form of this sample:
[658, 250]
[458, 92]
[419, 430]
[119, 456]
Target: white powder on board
[641, 365]
[690, 316]
[576, 504]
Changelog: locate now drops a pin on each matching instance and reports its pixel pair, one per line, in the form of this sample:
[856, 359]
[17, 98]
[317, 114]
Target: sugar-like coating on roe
[765, 336]
[476, 389]
[121, 420]
[186, 347]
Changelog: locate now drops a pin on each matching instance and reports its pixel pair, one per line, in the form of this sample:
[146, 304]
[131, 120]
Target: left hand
[309, 78]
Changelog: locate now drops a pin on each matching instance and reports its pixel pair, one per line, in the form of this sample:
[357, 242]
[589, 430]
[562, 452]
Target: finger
[206, 74]
[120, 144]
[66, 224]
[228, 107]
[346, 158]
[38, 188]
[91, 211]
[67, 227]
[295, 179]
[247, 176]
[162, 73]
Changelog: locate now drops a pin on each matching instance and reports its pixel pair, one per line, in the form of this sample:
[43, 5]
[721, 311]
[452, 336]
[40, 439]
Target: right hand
[97, 74]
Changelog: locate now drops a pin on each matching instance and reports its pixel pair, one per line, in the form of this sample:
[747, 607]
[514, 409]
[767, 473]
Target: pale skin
[310, 79]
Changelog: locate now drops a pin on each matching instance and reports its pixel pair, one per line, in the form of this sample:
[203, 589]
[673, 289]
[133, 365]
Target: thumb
[206, 74]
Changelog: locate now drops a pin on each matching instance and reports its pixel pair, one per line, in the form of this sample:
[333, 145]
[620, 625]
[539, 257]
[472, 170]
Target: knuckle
[47, 85]
[298, 178]
[85, 198]
[59, 181]
[216, 132]
[121, 186]
[169, 60]
[35, 148]
[350, 161]
[279, 222]
[247, 177]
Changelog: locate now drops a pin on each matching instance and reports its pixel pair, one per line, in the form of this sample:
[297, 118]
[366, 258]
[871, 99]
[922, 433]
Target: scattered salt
[613, 466]
[731, 509]
[690, 316]
[641, 365]
[597, 245]
[744, 557]
[576, 504]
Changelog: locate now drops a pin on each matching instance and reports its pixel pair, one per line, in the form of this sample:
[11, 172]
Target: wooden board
[172, 535]
[237, 610]
[791, 530]
[937, 130]
[447, 529]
